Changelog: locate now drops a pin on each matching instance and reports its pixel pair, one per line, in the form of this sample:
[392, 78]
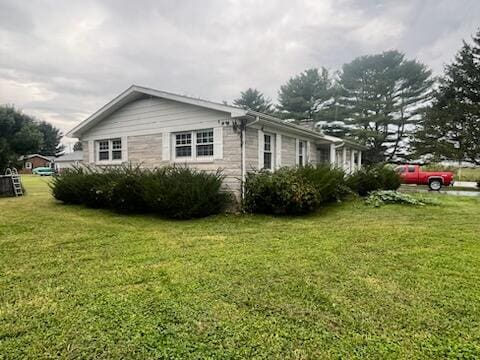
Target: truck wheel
[435, 185]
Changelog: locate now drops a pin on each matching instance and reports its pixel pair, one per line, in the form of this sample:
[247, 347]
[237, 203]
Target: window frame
[109, 150]
[270, 152]
[209, 143]
[28, 165]
[302, 145]
[195, 145]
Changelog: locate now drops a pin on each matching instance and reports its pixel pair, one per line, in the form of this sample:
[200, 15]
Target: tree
[78, 146]
[51, 139]
[303, 94]
[20, 134]
[379, 98]
[451, 126]
[253, 99]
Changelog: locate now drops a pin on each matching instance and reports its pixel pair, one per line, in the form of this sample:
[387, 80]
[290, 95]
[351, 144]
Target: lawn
[347, 282]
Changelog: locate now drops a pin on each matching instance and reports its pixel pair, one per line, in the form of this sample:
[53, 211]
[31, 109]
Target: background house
[155, 128]
[32, 161]
[67, 161]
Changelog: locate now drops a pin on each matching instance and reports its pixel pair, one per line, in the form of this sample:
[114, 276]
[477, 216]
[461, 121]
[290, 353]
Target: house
[32, 161]
[155, 128]
[68, 161]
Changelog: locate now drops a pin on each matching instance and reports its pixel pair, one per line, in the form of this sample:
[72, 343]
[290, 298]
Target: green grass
[347, 282]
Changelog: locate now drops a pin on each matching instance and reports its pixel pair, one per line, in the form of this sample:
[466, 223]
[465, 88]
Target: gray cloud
[60, 61]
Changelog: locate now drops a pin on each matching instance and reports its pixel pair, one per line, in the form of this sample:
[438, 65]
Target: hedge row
[180, 192]
[173, 192]
[304, 189]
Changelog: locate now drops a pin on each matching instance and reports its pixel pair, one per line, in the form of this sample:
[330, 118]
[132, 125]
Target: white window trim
[272, 151]
[304, 152]
[28, 165]
[194, 157]
[110, 160]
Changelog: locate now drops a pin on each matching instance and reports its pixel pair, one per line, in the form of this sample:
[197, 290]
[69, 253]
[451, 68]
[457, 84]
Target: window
[183, 145]
[110, 150]
[194, 144]
[28, 165]
[117, 149]
[400, 169]
[205, 143]
[301, 153]
[267, 152]
[411, 168]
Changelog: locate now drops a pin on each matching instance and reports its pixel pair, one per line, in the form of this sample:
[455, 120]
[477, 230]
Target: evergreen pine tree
[450, 128]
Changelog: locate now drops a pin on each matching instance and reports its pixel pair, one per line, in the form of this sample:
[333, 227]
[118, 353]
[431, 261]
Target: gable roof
[29, 156]
[135, 92]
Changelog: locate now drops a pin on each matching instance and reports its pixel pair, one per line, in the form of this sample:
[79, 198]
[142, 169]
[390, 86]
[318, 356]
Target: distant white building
[68, 161]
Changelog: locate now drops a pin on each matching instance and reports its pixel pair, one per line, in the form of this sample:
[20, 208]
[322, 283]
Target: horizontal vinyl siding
[86, 152]
[251, 149]
[150, 116]
[288, 151]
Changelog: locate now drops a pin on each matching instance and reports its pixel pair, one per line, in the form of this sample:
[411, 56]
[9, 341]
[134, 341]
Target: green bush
[174, 192]
[373, 178]
[127, 194]
[180, 192]
[294, 190]
[285, 191]
[328, 182]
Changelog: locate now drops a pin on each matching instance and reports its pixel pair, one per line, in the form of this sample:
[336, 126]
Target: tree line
[389, 103]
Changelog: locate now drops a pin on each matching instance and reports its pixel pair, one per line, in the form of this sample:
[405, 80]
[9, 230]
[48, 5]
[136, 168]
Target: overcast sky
[62, 60]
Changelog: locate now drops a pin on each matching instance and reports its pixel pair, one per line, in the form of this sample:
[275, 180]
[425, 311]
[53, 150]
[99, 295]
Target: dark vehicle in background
[413, 174]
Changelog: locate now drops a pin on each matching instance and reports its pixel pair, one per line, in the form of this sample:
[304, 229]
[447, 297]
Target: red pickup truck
[413, 174]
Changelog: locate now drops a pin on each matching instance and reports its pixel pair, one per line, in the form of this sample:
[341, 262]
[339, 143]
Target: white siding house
[155, 128]
[68, 161]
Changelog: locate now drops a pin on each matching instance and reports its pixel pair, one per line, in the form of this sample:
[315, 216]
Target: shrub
[82, 185]
[381, 197]
[180, 192]
[285, 191]
[127, 194]
[171, 192]
[70, 186]
[373, 178]
[328, 182]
